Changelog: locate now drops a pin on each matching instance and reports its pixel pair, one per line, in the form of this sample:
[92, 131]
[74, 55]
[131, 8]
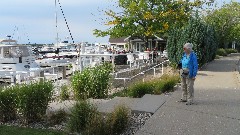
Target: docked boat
[60, 53]
[16, 61]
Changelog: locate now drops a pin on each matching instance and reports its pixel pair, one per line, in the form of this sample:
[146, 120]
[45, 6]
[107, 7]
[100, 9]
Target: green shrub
[217, 57]
[96, 126]
[140, 89]
[8, 103]
[57, 117]
[33, 100]
[122, 93]
[168, 86]
[165, 84]
[203, 37]
[81, 115]
[92, 82]
[118, 121]
[81, 83]
[86, 120]
[64, 94]
[229, 51]
[221, 52]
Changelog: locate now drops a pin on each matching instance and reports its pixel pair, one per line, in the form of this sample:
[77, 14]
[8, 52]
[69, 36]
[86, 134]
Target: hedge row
[202, 36]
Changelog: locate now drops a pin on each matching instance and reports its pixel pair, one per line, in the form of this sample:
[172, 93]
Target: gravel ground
[136, 122]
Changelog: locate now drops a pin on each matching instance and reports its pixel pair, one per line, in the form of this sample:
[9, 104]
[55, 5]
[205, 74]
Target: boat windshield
[16, 51]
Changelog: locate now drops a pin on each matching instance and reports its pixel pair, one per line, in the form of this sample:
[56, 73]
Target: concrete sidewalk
[216, 110]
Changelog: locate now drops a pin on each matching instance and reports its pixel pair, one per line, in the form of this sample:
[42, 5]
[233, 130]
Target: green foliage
[64, 93]
[221, 52]
[140, 89]
[114, 123]
[202, 36]
[33, 100]
[165, 84]
[29, 102]
[146, 18]
[225, 52]
[8, 103]
[96, 126]
[229, 51]
[217, 57]
[119, 120]
[11, 130]
[92, 82]
[85, 119]
[123, 93]
[81, 116]
[57, 118]
[226, 22]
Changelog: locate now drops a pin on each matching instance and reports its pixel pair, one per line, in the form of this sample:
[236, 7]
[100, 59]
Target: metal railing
[143, 72]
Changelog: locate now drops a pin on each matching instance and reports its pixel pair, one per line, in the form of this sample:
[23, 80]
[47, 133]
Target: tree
[146, 18]
[202, 36]
[226, 21]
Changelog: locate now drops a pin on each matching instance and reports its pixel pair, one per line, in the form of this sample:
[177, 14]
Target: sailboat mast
[56, 17]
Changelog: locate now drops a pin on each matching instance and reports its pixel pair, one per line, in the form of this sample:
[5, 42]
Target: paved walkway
[216, 110]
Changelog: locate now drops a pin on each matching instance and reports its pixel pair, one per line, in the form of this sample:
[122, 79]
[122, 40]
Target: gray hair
[188, 46]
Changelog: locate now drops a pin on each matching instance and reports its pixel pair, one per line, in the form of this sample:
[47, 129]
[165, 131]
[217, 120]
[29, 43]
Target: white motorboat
[16, 61]
[67, 50]
[47, 49]
[64, 53]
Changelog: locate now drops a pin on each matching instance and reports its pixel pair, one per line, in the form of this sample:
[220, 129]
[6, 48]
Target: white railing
[142, 72]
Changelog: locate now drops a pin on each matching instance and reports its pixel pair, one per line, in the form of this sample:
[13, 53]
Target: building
[138, 45]
[119, 42]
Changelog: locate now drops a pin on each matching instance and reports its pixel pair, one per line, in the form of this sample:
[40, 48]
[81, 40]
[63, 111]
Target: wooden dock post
[64, 72]
[13, 80]
[42, 77]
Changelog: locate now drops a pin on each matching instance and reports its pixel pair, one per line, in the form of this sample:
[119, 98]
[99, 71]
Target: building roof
[126, 39]
[8, 41]
[155, 37]
[118, 40]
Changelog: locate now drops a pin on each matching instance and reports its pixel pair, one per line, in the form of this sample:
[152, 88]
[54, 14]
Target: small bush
[96, 126]
[217, 57]
[64, 94]
[122, 93]
[168, 86]
[165, 84]
[229, 51]
[57, 117]
[8, 103]
[140, 89]
[33, 100]
[81, 115]
[221, 52]
[118, 121]
[86, 120]
[92, 82]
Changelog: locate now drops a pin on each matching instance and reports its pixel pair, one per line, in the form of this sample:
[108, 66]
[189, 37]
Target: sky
[34, 20]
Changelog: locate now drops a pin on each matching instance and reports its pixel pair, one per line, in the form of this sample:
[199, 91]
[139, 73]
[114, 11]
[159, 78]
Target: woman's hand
[194, 78]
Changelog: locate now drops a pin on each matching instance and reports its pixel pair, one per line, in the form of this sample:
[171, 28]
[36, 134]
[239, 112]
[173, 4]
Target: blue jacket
[192, 65]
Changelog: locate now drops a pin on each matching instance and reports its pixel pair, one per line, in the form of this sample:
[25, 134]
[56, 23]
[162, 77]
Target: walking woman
[188, 73]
